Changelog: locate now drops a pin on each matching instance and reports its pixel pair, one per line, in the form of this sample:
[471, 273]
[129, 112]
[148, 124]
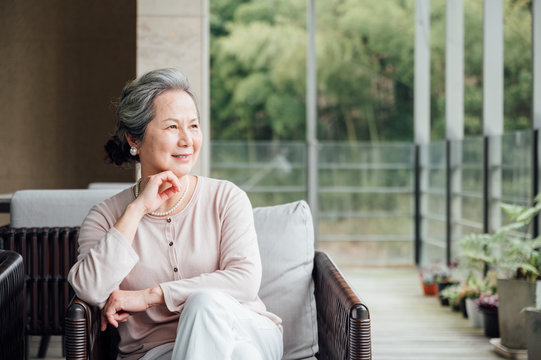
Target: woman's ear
[132, 142]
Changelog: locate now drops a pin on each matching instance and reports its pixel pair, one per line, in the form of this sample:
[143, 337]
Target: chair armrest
[83, 338]
[79, 329]
[11, 305]
[343, 320]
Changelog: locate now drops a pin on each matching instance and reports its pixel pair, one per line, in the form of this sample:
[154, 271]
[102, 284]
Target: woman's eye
[172, 126]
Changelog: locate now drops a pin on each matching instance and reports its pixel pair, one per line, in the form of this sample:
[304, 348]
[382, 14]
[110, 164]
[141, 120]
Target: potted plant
[488, 304]
[518, 260]
[474, 259]
[429, 285]
[472, 290]
[432, 276]
[452, 295]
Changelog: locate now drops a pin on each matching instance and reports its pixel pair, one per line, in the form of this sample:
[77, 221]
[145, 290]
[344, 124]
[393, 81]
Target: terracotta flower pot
[430, 289]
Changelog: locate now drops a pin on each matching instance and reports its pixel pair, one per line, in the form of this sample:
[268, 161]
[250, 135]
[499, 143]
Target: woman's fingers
[109, 315]
[120, 305]
[159, 188]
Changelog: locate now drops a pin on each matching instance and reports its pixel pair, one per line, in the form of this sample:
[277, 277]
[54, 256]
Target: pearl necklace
[157, 213]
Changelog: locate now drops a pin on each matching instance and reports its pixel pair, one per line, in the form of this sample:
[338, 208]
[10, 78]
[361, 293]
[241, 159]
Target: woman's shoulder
[219, 190]
[218, 184]
[218, 187]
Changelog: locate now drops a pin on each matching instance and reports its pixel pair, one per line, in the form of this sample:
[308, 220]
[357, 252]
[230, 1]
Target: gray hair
[136, 108]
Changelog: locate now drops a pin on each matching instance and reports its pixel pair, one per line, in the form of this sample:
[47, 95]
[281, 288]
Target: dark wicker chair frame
[343, 321]
[48, 254]
[11, 305]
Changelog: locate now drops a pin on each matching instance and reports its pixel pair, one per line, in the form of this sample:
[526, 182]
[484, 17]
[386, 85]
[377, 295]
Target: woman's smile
[182, 156]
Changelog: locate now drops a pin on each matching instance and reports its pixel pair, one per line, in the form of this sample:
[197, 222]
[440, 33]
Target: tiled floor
[54, 351]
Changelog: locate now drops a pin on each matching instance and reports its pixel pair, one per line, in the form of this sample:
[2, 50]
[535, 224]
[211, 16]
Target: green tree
[365, 64]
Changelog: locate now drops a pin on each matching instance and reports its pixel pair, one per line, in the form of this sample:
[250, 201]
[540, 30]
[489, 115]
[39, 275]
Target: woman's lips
[182, 156]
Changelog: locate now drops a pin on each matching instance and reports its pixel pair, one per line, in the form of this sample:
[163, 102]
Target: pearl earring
[133, 151]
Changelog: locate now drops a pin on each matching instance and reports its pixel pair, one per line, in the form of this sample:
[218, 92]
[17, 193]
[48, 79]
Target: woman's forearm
[129, 220]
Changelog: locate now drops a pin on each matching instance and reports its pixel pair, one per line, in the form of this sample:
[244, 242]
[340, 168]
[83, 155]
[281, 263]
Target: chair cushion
[286, 242]
[50, 208]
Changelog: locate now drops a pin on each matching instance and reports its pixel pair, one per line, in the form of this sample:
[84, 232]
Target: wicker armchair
[44, 231]
[343, 321]
[11, 305]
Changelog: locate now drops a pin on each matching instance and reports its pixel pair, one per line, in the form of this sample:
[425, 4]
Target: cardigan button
[171, 243]
[175, 269]
[168, 220]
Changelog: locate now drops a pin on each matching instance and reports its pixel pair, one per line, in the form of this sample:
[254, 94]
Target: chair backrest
[109, 185]
[286, 242]
[44, 230]
[50, 208]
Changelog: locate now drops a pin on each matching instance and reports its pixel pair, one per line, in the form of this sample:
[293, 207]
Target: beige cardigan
[211, 243]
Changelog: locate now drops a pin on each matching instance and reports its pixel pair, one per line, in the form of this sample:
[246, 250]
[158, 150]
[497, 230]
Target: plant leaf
[512, 211]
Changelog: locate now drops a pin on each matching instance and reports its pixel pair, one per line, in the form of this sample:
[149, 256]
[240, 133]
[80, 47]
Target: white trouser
[215, 326]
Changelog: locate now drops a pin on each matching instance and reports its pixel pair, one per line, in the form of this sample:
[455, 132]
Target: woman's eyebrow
[177, 120]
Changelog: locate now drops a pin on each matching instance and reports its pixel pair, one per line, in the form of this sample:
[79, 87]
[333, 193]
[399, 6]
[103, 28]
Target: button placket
[170, 231]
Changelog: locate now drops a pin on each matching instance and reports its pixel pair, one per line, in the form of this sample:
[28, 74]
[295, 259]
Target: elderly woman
[173, 261]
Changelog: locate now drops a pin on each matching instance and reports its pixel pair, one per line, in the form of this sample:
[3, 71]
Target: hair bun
[115, 152]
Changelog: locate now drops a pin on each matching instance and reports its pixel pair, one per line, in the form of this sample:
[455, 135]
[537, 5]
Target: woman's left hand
[122, 303]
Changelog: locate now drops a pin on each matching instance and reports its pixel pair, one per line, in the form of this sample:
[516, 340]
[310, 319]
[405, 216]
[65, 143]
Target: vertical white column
[536, 100]
[493, 103]
[493, 67]
[421, 110]
[454, 70]
[454, 109]
[536, 62]
[312, 172]
[205, 88]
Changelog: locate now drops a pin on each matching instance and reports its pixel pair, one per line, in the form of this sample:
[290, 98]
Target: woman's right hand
[121, 304]
[157, 189]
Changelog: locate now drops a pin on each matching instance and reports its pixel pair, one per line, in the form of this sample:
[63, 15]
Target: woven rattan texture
[48, 254]
[11, 305]
[343, 321]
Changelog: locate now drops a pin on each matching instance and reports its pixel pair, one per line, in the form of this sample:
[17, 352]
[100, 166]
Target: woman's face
[173, 138]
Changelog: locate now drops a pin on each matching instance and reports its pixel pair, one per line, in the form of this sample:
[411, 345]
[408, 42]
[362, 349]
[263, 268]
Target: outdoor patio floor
[405, 324]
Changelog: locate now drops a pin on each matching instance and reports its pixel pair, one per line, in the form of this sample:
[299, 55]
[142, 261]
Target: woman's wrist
[137, 209]
[155, 296]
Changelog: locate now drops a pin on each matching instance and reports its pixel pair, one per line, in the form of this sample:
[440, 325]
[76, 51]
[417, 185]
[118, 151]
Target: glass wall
[516, 171]
[453, 188]
[433, 201]
[366, 203]
[271, 173]
[366, 191]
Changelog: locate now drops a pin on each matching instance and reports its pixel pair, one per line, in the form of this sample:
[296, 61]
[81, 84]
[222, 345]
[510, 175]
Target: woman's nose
[185, 138]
